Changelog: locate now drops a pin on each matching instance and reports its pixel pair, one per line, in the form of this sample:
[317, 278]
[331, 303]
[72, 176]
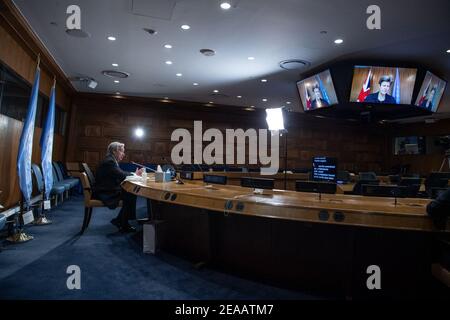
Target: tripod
[446, 159]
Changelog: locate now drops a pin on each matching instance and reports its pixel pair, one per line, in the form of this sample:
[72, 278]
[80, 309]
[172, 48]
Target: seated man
[107, 188]
[439, 209]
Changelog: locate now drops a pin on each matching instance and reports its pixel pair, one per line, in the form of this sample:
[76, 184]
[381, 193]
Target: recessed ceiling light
[117, 92]
[338, 41]
[167, 46]
[195, 84]
[252, 106]
[111, 38]
[251, 58]
[179, 74]
[210, 102]
[185, 27]
[288, 102]
[115, 65]
[249, 109]
[168, 62]
[448, 51]
[116, 81]
[216, 91]
[225, 5]
[264, 100]
[238, 97]
[263, 80]
[166, 98]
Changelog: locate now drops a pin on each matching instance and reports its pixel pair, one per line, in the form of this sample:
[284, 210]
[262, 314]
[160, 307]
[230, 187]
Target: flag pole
[42, 220]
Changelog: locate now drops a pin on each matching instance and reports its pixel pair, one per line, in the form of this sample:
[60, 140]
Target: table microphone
[140, 165]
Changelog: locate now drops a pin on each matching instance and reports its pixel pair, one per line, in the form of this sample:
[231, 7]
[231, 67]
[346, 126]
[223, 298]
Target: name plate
[28, 217]
[47, 205]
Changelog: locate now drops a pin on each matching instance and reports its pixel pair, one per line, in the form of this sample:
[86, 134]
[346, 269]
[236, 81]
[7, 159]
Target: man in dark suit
[439, 209]
[382, 95]
[108, 177]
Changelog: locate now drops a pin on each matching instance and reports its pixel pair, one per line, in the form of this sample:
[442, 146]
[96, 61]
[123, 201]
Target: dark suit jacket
[373, 97]
[315, 103]
[108, 178]
[439, 209]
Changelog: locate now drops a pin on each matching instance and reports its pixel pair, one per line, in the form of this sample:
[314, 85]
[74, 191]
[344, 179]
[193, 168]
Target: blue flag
[396, 90]
[323, 91]
[26, 143]
[47, 145]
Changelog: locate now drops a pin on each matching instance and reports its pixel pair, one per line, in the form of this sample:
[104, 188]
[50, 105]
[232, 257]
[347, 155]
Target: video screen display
[324, 169]
[409, 145]
[317, 91]
[431, 92]
[382, 85]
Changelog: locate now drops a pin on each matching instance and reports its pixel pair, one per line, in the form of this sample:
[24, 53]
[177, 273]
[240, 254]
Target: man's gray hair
[114, 146]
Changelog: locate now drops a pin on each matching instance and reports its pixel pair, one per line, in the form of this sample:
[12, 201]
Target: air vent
[150, 31]
[207, 52]
[219, 95]
[115, 74]
[294, 64]
[77, 33]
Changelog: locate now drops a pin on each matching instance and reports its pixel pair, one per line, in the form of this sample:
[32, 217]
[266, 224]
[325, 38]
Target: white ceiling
[269, 30]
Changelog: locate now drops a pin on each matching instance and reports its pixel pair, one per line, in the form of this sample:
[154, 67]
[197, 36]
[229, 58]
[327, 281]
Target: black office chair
[394, 178]
[343, 176]
[85, 168]
[357, 189]
[368, 176]
[436, 180]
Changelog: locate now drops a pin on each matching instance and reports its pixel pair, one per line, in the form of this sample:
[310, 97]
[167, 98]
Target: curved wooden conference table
[382, 212]
[322, 243]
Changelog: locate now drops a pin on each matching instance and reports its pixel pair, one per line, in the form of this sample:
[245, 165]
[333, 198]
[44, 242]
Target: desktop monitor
[315, 186]
[382, 85]
[257, 183]
[431, 92]
[411, 145]
[324, 169]
[317, 91]
[216, 179]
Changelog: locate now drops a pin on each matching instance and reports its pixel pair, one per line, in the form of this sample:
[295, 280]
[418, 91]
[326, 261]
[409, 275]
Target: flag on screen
[47, 145]
[308, 99]
[396, 90]
[322, 90]
[26, 143]
[365, 90]
[425, 93]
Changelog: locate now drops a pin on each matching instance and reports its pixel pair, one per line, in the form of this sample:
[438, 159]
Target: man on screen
[382, 95]
[318, 101]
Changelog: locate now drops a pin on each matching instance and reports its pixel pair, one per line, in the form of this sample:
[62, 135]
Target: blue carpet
[112, 265]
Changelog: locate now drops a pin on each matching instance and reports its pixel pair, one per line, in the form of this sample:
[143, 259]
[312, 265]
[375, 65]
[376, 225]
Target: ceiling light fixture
[195, 84]
[263, 80]
[338, 41]
[264, 100]
[225, 5]
[167, 46]
[288, 102]
[115, 65]
[116, 81]
[185, 27]
[168, 62]
[179, 74]
[216, 91]
[251, 58]
[111, 38]
[238, 97]
[117, 92]
[448, 51]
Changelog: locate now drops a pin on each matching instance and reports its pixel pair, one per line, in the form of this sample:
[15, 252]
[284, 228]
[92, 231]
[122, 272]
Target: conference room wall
[18, 51]
[96, 120]
[422, 164]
